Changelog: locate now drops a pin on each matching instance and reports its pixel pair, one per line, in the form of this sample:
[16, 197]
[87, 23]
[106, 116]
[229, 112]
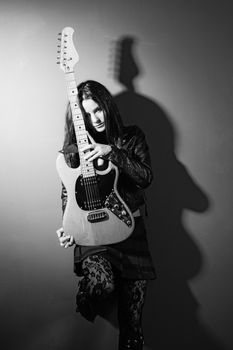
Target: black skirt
[131, 257]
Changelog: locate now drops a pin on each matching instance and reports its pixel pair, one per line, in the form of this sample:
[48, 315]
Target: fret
[77, 119]
[82, 142]
[87, 166]
[72, 92]
[81, 133]
[74, 105]
[82, 136]
[71, 84]
[80, 127]
[88, 174]
[78, 122]
[70, 76]
[80, 150]
[76, 110]
[72, 98]
[77, 116]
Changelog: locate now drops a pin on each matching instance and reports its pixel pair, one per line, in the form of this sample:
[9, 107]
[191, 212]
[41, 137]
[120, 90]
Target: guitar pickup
[97, 216]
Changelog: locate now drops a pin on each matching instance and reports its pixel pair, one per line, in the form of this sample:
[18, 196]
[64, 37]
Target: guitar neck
[87, 168]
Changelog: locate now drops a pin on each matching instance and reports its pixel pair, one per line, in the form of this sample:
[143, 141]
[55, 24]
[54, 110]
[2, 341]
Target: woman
[123, 267]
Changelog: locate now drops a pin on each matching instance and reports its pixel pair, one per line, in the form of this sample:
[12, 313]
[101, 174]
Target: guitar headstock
[67, 54]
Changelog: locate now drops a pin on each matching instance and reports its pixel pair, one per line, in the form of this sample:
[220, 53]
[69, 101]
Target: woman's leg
[95, 285]
[131, 299]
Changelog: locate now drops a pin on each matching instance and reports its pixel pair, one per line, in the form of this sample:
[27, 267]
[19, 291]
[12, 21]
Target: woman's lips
[98, 125]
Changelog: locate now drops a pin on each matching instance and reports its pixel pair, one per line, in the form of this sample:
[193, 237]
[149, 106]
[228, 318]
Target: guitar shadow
[171, 313]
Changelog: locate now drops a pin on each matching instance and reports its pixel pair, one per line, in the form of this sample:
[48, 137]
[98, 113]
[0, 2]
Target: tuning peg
[59, 33]
[58, 62]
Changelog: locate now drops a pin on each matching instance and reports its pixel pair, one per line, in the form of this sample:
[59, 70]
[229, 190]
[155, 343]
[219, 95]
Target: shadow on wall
[171, 310]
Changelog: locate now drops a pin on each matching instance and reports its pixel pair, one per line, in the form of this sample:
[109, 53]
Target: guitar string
[88, 192]
[91, 194]
[95, 192]
[87, 186]
[82, 162]
[95, 187]
[91, 190]
[85, 182]
[92, 187]
[98, 199]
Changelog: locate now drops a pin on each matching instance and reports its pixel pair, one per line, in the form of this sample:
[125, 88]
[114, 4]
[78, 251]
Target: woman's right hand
[65, 240]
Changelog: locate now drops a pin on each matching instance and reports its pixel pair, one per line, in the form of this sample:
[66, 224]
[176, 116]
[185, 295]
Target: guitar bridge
[97, 216]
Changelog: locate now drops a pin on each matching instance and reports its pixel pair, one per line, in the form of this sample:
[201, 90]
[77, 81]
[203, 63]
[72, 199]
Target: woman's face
[95, 113]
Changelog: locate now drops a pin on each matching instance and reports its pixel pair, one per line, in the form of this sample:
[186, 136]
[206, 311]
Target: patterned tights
[97, 283]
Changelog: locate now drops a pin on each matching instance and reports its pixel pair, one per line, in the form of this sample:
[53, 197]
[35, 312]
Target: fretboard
[87, 168]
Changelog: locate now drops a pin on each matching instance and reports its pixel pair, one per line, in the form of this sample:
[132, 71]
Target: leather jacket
[133, 161]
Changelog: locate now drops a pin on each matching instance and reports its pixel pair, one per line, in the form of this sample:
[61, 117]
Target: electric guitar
[95, 213]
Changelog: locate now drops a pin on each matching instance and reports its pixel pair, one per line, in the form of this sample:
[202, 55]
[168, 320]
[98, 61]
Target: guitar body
[106, 220]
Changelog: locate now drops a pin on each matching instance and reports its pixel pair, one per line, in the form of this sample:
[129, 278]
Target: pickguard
[85, 190]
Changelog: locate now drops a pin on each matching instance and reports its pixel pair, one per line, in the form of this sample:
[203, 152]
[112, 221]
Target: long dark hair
[91, 89]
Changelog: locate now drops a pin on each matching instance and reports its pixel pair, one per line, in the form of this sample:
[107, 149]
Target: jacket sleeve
[134, 161]
[63, 198]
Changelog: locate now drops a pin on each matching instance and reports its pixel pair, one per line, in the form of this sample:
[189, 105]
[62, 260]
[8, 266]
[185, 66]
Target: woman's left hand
[65, 240]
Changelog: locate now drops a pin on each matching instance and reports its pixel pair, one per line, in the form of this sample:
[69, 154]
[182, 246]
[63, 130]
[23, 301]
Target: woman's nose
[94, 117]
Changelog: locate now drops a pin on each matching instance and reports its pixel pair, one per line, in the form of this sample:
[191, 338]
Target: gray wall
[172, 77]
